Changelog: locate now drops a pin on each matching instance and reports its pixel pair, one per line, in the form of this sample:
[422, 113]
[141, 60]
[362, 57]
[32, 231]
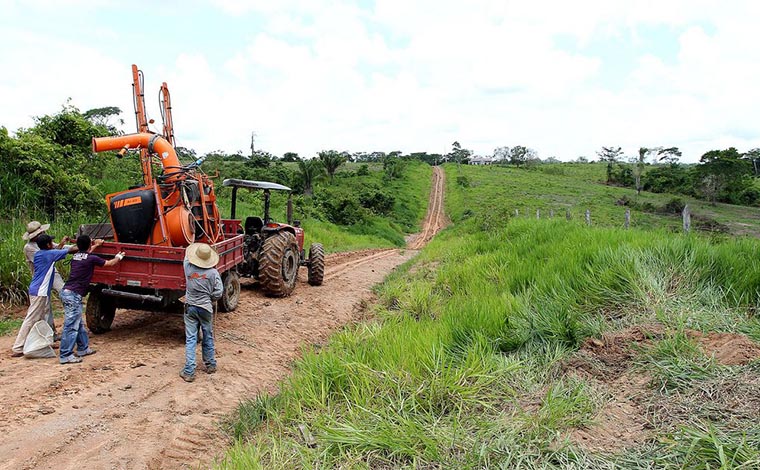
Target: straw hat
[202, 255]
[33, 229]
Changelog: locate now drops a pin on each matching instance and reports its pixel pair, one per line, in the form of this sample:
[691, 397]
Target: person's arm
[63, 242]
[115, 260]
[72, 249]
[218, 288]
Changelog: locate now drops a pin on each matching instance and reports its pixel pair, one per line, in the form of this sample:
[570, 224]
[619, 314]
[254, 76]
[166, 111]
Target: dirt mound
[608, 358]
[730, 349]
[622, 422]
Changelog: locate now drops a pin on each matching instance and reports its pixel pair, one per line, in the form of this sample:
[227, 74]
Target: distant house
[481, 160]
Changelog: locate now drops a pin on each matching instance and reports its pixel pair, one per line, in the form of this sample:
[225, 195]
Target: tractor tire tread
[316, 264]
[270, 265]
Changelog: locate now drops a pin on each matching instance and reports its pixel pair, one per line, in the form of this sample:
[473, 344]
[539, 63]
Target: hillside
[523, 343]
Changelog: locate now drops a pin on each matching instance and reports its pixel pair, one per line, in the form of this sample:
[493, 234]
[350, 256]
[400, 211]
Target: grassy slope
[464, 365]
[579, 187]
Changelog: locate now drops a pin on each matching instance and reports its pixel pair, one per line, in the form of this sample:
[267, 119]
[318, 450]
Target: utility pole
[253, 140]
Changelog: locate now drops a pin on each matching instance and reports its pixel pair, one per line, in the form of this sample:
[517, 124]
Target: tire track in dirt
[126, 407]
[435, 219]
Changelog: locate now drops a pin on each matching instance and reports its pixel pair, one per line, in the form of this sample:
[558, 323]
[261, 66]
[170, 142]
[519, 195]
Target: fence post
[686, 219]
[517, 213]
[551, 213]
[567, 214]
[588, 217]
[538, 213]
[627, 218]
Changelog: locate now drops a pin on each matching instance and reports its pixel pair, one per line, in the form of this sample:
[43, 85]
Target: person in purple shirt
[82, 266]
[39, 289]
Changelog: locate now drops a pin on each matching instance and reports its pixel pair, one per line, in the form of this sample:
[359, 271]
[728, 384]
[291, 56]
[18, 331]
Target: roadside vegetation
[511, 342]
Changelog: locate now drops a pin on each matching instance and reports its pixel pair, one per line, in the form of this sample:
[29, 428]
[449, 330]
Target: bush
[674, 206]
[463, 181]
[341, 206]
[376, 200]
[363, 170]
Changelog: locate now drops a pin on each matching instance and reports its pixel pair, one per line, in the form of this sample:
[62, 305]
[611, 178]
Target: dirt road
[435, 219]
[126, 407]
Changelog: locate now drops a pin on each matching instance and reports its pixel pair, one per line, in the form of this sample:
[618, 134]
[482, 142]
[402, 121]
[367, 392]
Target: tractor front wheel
[100, 312]
[316, 264]
[278, 264]
[230, 291]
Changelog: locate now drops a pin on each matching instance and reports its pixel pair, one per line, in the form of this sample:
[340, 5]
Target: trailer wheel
[230, 291]
[316, 264]
[100, 312]
[278, 264]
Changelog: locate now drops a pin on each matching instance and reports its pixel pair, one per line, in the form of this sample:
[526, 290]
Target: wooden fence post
[551, 213]
[686, 219]
[588, 217]
[538, 213]
[627, 218]
[517, 212]
[567, 214]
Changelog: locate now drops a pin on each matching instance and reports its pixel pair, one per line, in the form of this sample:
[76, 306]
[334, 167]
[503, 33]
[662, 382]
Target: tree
[611, 155]
[308, 172]
[393, 167]
[669, 155]
[260, 159]
[501, 154]
[520, 155]
[289, 157]
[332, 160]
[459, 154]
[102, 117]
[754, 157]
[729, 175]
[638, 168]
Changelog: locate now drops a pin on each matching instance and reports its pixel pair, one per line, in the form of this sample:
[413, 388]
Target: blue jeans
[198, 321]
[73, 326]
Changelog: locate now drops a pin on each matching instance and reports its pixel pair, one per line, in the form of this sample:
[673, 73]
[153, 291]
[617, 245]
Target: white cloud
[415, 76]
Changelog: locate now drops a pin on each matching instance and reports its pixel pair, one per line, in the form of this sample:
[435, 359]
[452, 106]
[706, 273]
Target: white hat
[33, 229]
[202, 255]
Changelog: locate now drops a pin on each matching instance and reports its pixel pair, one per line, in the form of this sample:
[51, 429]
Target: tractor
[154, 222]
[272, 251]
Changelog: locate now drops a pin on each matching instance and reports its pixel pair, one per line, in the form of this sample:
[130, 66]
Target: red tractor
[155, 222]
[273, 251]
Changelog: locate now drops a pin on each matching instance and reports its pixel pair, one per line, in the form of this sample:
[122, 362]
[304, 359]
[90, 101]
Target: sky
[564, 78]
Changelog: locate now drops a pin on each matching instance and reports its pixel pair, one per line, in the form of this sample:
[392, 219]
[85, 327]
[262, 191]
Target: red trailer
[150, 277]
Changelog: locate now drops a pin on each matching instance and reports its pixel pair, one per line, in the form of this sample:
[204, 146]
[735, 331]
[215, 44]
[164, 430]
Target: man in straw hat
[40, 288]
[204, 287]
[33, 230]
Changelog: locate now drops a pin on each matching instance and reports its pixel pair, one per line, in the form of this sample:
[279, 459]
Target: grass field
[578, 187]
[523, 343]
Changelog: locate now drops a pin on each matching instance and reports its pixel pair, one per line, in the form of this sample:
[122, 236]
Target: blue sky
[562, 77]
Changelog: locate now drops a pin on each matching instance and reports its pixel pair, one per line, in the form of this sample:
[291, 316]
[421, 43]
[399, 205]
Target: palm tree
[331, 160]
[309, 171]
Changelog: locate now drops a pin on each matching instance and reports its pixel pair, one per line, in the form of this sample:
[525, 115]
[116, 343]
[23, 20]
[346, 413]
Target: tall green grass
[462, 369]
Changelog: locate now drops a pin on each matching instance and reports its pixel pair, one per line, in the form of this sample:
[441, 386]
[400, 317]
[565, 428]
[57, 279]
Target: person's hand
[120, 255]
[97, 242]
[65, 239]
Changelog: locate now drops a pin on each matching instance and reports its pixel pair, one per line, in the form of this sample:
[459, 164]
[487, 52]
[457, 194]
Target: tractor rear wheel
[99, 313]
[278, 264]
[316, 264]
[230, 291]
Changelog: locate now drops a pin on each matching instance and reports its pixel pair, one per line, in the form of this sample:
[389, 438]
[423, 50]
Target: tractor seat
[253, 225]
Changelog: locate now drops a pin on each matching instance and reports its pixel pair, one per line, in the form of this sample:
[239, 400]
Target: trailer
[151, 277]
